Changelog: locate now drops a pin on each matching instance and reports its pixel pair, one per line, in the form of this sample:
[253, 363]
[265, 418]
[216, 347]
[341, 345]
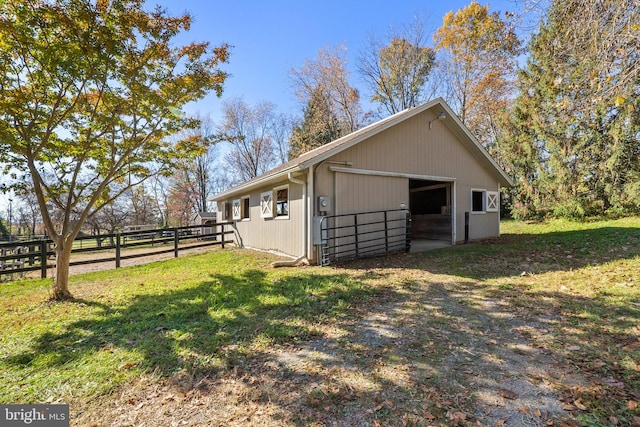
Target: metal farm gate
[359, 235]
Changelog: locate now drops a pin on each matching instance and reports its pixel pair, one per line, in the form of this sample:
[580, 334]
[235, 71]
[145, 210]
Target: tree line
[92, 133]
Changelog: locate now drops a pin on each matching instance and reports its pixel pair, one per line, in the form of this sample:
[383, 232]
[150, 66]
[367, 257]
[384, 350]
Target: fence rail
[364, 234]
[38, 255]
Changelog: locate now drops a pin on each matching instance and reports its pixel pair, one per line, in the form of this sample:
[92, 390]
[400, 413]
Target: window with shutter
[237, 209]
[266, 204]
[493, 201]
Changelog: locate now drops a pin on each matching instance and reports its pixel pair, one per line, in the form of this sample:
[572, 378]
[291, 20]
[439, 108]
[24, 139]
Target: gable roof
[322, 153]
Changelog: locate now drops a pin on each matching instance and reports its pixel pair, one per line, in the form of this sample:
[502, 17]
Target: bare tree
[281, 132]
[331, 105]
[397, 69]
[160, 193]
[200, 169]
[248, 129]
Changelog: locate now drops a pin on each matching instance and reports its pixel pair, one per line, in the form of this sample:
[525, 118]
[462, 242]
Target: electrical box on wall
[324, 204]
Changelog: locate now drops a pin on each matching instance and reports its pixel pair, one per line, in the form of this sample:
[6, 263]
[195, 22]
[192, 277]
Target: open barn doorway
[431, 210]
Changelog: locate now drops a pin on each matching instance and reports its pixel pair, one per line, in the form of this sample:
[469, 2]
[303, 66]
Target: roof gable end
[326, 151]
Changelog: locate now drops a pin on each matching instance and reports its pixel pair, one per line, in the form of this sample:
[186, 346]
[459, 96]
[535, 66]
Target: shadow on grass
[174, 328]
[447, 353]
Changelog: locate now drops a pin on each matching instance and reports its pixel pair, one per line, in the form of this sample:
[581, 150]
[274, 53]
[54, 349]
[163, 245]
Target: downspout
[302, 258]
[310, 210]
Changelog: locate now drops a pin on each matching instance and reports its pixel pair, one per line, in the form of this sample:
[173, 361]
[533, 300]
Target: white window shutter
[493, 201]
[266, 204]
[237, 209]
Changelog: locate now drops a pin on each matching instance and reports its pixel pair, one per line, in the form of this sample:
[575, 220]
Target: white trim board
[391, 174]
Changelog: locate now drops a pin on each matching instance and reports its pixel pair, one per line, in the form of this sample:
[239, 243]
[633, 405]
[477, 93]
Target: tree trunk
[61, 283]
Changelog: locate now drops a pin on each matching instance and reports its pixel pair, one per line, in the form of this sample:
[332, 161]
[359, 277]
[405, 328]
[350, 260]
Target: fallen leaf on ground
[632, 405]
[429, 416]
[578, 403]
[507, 394]
[573, 348]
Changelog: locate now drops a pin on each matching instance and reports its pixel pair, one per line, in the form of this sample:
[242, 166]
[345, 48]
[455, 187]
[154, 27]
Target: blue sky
[270, 38]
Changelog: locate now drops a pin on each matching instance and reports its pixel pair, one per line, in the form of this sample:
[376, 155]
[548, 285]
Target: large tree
[88, 93]
[575, 121]
[397, 70]
[200, 170]
[331, 105]
[478, 50]
[248, 129]
[320, 125]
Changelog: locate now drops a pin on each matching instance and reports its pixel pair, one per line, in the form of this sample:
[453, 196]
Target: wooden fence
[39, 255]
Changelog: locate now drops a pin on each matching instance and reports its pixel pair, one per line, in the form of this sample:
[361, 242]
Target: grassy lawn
[380, 341]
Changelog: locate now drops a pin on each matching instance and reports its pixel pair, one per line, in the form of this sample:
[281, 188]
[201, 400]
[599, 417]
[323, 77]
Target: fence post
[386, 233]
[355, 229]
[466, 227]
[407, 242]
[117, 250]
[175, 242]
[222, 231]
[30, 250]
[43, 259]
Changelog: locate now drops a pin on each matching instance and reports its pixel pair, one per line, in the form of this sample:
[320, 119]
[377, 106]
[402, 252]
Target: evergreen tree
[319, 126]
[331, 105]
[574, 133]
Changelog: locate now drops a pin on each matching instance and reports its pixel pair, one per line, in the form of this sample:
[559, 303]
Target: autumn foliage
[89, 91]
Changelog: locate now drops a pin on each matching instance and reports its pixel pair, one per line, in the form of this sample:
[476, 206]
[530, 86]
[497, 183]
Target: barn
[418, 175]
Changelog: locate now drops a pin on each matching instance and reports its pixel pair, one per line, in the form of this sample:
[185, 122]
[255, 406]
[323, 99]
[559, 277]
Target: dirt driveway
[424, 351]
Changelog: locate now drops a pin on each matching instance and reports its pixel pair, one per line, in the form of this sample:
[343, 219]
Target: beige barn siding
[361, 193]
[411, 148]
[481, 225]
[273, 234]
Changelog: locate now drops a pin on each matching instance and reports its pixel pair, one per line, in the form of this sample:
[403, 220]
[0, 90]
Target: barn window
[245, 208]
[225, 210]
[478, 201]
[493, 201]
[237, 209]
[282, 201]
[266, 204]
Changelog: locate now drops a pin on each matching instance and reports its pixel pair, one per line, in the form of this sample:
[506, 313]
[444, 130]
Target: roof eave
[498, 172]
[253, 184]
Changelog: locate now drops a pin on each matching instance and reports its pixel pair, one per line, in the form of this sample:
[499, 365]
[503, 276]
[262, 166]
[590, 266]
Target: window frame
[483, 192]
[225, 210]
[245, 208]
[276, 202]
